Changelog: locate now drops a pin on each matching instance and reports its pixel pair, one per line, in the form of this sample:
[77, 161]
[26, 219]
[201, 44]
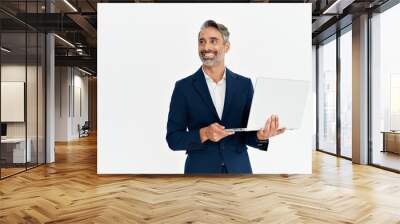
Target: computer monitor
[3, 129]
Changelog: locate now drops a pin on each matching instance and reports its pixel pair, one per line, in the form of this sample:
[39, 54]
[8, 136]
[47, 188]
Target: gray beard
[208, 62]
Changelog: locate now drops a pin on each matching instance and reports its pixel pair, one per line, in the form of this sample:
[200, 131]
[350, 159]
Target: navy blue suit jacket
[191, 109]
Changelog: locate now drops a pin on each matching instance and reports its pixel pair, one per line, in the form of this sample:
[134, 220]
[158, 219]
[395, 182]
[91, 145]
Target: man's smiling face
[212, 47]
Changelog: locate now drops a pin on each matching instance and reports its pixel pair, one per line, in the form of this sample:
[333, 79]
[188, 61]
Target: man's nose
[207, 46]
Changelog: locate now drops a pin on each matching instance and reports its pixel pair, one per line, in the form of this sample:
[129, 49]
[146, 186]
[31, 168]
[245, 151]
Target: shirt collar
[208, 78]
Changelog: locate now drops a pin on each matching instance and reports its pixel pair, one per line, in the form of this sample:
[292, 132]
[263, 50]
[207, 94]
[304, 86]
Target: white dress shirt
[217, 92]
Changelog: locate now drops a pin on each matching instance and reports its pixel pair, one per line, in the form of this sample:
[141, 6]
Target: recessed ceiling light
[84, 71]
[338, 6]
[64, 40]
[70, 5]
[5, 50]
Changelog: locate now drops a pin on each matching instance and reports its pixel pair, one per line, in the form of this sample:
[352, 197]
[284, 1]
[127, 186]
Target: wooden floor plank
[70, 191]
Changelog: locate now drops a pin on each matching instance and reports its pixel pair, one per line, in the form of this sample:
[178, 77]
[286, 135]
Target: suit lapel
[200, 85]
[231, 87]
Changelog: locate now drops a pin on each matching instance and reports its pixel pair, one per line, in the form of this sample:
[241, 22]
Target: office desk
[391, 141]
[13, 150]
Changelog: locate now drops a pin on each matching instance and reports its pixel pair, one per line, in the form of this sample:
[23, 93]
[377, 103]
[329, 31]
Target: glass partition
[41, 88]
[385, 89]
[346, 94]
[14, 153]
[327, 96]
[22, 67]
[32, 95]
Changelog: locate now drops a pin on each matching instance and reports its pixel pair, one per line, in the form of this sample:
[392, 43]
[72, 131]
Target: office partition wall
[22, 76]
[13, 74]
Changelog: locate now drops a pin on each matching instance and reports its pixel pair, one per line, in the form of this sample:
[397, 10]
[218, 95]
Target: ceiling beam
[337, 7]
[84, 61]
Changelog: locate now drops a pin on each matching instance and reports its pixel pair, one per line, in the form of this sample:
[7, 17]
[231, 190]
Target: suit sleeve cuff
[195, 143]
[262, 144]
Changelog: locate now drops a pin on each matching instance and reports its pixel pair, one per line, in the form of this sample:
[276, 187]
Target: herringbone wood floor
[70, 191]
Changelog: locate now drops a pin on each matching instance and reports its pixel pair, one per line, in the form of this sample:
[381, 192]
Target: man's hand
[271, 129]
[214, 132]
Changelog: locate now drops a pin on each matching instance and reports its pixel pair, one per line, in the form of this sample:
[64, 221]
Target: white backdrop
[143, 49]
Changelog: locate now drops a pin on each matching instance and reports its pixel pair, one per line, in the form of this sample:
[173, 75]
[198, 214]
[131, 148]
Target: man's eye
[213, 41]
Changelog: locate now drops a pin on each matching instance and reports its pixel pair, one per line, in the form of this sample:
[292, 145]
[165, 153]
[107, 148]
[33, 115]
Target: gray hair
[220, 27]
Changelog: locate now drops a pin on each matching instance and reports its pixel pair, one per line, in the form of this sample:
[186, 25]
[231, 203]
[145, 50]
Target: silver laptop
[283, 97]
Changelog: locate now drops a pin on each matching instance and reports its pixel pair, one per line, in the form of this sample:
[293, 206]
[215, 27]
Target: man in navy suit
[211, 100]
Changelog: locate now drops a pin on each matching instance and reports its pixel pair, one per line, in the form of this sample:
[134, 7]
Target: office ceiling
[76, 22]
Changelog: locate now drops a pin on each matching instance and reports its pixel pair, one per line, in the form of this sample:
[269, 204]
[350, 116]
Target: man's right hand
[214, 132]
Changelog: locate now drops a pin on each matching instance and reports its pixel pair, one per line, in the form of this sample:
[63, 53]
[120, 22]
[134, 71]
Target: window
[346, 94]
[385, 89]
[327, 96]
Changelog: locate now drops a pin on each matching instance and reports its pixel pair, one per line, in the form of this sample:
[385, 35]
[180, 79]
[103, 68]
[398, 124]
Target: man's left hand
[271, 129]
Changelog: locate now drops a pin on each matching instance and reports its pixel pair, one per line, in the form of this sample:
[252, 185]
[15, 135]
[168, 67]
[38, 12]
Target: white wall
[145, 48]
[61, 103]
[80, 84]
[68, 81]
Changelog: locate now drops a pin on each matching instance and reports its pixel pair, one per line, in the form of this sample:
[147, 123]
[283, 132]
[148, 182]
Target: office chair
[84, 130]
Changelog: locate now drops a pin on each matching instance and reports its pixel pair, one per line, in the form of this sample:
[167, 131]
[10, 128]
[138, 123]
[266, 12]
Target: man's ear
[227, 46]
